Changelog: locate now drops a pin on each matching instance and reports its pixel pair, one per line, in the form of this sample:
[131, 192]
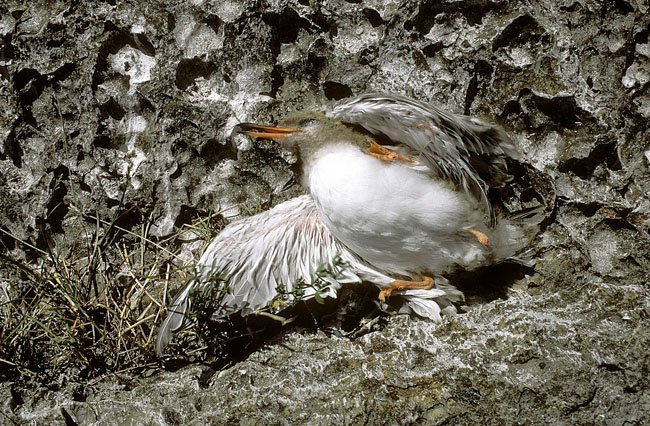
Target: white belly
[395, 218]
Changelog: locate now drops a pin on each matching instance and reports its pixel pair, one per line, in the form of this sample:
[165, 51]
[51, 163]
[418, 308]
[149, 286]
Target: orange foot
[481, 237]
[426, 284]
[386, 154]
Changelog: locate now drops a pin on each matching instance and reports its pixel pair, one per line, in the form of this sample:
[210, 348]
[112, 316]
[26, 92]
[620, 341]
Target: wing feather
[280, 246]
[466, 150]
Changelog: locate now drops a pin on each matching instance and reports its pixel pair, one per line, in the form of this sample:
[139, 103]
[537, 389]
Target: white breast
[396, 218]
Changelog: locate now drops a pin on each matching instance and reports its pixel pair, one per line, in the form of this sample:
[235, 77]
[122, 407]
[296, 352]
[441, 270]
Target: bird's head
[302, 133]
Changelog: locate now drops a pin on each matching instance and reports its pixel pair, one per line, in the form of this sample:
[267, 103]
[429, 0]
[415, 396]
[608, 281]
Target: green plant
[318, 285]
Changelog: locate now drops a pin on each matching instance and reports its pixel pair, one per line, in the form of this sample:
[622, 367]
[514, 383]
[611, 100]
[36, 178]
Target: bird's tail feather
[176, 318]
[513, 235]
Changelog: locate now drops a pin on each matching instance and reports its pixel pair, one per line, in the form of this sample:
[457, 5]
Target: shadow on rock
[221, 344]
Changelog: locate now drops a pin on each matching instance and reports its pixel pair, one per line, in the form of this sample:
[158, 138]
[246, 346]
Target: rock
[121, 113]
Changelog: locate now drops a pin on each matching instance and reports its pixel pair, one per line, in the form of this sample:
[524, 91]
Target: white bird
[397, 196]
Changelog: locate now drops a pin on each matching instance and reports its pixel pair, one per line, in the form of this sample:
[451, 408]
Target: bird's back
[469, 152]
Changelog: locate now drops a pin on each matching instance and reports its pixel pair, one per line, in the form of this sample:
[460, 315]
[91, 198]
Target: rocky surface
[122, 111]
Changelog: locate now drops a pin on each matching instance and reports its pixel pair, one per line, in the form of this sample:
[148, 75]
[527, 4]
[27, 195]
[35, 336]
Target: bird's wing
[241, 269]
[466, 150]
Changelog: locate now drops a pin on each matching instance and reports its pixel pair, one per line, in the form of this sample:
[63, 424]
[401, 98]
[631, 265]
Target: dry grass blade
[93, 310]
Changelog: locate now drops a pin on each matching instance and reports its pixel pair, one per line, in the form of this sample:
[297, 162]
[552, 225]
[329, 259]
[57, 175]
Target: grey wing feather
[176, 318]
[255, 254]
[466, 150]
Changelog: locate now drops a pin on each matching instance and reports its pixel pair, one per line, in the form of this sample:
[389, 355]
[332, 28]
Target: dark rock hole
[373, 17]
[584, 167]
[177, 173]
[187, 215]
[29, 84]
[143, 44]
[214, 22]
[473, 11]
[113, 109]
[286, 26]
[367, 56]
[618, 224]
[420, 60]
[145, 104]
[483, 68]
[510, 108]
[430, 50]
[620, 6]
[212, 152]
[426, 16]
[610, 367]
[277, 80]
[316, 64]
[522, 30]
[336, 91]
[642, 37]
[56, 208]
[69, 421]
[130, 216]
[562, 110]
[55, 43]
[470, 94]
[188, 70]
[13, 149]
[588, 209]
[62, 73]
[4, 71]
[571, 8]
[6, 48]
[7, 243]
[489, 282]
[102, 141]
[324, 24]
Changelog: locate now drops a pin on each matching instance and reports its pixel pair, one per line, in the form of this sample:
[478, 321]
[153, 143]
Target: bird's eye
[305, 122]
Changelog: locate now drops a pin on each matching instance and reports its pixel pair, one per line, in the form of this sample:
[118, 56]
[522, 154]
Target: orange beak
[265, 132]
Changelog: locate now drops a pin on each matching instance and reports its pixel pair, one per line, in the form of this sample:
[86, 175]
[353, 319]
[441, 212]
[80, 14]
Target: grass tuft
[93, 310]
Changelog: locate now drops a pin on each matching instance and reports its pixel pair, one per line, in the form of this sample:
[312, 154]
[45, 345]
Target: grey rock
[122, 111]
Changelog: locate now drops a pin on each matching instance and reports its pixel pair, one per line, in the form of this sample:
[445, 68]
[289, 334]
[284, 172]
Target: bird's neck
[311, 153]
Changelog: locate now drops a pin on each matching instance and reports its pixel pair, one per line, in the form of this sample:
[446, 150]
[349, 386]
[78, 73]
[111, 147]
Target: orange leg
[386, 154]
[426, 284]
[481, 237]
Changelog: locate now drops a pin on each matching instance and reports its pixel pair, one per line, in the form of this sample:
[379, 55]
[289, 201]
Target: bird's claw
[384, 294]
[426, 283]
[481, 237]
[386, 154]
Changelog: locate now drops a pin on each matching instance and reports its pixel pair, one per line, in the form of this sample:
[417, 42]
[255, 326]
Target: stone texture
[113, 107]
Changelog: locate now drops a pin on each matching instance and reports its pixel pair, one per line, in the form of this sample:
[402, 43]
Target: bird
[397, 195]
